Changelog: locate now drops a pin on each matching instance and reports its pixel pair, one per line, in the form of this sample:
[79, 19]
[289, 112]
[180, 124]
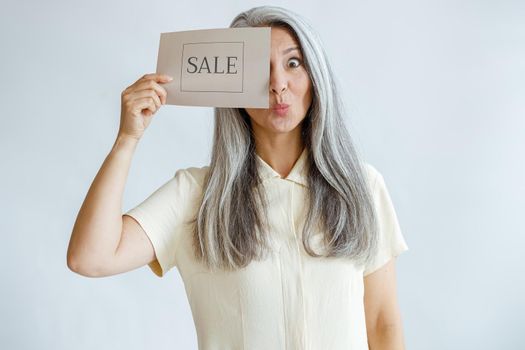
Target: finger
[156, 76]
[152, 108]
[146, 93]
[130, 98]
[161, 78]
[145, 103]
[152, 85]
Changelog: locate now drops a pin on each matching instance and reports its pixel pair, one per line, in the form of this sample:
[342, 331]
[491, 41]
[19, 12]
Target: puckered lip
[280, 106]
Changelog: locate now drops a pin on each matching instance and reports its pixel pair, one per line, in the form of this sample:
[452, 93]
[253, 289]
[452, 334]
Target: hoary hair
[231, 226]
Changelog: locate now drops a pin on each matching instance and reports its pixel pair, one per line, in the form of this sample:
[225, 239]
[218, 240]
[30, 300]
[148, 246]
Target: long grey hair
[231, 227]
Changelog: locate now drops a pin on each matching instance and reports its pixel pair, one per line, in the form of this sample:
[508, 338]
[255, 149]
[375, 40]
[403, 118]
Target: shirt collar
[298, 173]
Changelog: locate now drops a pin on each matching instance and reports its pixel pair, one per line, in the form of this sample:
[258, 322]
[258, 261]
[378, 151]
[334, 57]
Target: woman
[287, 240]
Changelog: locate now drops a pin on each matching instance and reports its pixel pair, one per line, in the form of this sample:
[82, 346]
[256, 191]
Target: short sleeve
[391, 241]
[165, 215]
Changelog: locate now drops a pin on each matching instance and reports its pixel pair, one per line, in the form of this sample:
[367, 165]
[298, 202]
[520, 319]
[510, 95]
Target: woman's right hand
[139, 102]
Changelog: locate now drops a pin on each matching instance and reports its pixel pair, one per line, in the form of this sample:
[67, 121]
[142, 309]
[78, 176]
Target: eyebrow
[290, 49]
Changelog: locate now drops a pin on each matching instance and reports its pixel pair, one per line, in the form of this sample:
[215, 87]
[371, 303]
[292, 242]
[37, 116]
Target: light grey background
[435, 94]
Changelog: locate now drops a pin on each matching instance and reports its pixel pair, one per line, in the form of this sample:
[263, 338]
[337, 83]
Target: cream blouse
[288, 301]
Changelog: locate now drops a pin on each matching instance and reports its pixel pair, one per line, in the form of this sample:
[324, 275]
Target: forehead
[282, 39]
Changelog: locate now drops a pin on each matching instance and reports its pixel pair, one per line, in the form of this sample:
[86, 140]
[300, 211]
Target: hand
[139, 102]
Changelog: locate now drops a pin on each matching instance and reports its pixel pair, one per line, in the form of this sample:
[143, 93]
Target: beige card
[226, 67]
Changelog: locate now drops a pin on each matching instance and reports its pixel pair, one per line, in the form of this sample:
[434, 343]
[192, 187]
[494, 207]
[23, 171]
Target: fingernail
[169, 78]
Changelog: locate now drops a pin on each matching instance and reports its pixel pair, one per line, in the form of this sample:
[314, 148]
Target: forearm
[97, 229]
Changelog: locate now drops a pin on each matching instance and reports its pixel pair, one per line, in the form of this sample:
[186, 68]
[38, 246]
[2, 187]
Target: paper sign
[226, 67]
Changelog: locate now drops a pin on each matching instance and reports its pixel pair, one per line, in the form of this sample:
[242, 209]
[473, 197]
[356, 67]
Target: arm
[103, 242]
[383, 319]
[97, 229]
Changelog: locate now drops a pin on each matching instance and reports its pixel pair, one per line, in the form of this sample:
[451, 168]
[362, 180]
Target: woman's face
[289, 84]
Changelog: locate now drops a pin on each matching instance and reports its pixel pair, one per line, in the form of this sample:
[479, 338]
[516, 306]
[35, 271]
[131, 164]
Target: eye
[295, 59]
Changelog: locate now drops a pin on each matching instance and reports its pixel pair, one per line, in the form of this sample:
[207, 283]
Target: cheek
[255, 115]
[308, 97]
[306, 91]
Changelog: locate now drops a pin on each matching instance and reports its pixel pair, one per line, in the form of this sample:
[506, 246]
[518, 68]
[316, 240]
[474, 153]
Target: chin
[282, 125]
[276, 124]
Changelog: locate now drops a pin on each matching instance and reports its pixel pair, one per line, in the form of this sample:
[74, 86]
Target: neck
[280, 151]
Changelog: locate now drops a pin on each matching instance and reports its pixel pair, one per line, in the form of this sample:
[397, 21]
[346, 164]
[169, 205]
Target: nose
[278, 82]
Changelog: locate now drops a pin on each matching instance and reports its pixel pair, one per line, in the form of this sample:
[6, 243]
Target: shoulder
[193, 175]
[372, 174]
